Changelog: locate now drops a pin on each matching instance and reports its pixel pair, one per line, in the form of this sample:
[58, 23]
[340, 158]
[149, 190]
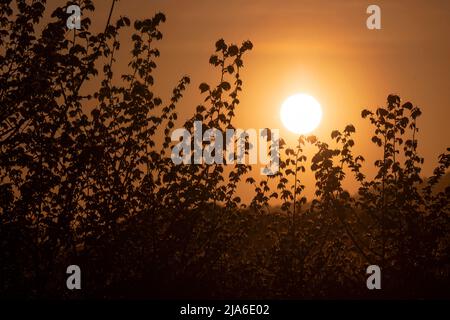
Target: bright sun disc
[301, 113]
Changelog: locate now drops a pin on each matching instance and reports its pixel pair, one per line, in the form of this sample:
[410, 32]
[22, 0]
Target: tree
[87, 180]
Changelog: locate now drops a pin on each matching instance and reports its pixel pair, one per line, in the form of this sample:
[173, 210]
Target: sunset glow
[301, 113]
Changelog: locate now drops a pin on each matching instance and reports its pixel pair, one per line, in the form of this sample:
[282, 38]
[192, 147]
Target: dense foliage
[87, 179]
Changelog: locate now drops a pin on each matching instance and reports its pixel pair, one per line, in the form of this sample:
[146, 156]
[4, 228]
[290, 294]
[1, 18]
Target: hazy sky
[314, 46]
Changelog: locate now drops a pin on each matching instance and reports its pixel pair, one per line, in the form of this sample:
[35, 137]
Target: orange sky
[319, 47]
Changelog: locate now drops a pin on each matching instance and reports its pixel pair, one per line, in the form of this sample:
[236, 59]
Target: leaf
[335, 134]
[377, 140]
[233, 50]
[393, 99]
[408, 105]
[214, 60]
[247, 45]
[220, 45]
[416, 113]
[382, 112]
[365, 113]
[289, 172]
[127, 21]
[225, 86]
[350, 128]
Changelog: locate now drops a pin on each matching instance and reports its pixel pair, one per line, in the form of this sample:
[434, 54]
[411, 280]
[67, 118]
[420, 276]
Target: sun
[301, 113]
